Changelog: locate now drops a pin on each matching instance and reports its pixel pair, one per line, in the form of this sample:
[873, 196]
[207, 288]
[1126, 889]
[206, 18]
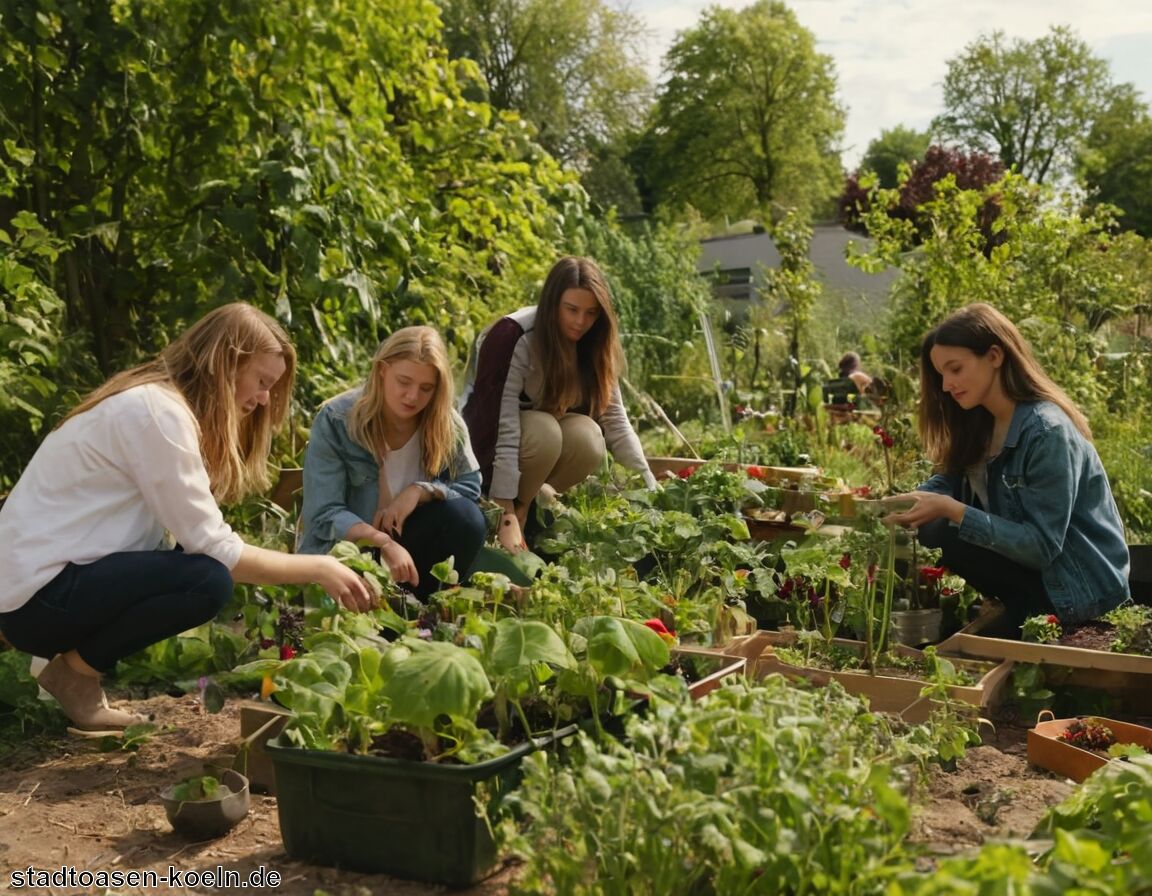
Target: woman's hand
[926, 507]
[343, 585]
[509, 533]
[391, 519]
[399, 562]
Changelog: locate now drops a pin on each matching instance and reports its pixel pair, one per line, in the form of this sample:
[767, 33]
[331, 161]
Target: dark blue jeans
[119, 605]
[437, 530]
[1019, 588]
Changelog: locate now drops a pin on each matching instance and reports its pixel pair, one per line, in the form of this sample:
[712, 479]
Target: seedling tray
[1046, 750]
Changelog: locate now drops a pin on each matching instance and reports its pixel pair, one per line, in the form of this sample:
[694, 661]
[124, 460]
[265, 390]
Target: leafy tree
[574, 68]
[894, 147]
[1115, 161]
[1029, 102]
[159, 157]
[747, 116]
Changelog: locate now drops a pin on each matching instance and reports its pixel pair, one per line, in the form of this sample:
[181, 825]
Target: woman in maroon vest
[542, 400]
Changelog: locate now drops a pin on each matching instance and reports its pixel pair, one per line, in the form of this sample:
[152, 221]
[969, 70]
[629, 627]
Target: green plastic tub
[413, 820]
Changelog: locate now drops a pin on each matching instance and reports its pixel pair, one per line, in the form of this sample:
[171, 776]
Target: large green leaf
[436, 679]
[622, 647]
[518, 642]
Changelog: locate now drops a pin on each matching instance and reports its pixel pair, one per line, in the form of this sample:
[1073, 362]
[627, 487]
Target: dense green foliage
[307, 158]
[746, 792]
[1052, 269]
[326, 163]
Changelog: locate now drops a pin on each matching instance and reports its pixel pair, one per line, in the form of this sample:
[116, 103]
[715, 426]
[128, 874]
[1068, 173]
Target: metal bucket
[916, 627]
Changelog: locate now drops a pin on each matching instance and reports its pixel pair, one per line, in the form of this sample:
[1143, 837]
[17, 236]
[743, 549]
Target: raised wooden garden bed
[886, 692]
[985, 637]
[709, 668]
[1126, 677]
[771, 475]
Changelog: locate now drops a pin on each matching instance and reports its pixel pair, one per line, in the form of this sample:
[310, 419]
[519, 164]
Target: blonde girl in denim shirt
[1021, 505]
[389, 464]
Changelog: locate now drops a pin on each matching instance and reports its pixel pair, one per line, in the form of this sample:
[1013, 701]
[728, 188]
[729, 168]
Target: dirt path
[65, 803]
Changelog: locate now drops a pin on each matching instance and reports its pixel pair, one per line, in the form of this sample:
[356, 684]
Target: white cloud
[891, 55]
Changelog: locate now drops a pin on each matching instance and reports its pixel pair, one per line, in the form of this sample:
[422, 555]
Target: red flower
[657, 626]
[755, 472]
[1053, 620]
[932, 573]
[686, 472]
[287, 651]
[846, 561]
[882, 435]
[661, 629]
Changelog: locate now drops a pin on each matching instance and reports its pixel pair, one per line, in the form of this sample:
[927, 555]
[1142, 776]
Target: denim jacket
[341, 477]
[1050, 509]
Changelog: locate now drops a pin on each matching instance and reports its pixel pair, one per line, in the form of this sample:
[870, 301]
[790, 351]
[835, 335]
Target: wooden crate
[885, 693]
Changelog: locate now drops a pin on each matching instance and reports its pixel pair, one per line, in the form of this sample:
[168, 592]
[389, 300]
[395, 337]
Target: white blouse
[109, 480]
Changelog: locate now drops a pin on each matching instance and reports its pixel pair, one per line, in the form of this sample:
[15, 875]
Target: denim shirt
[1050, 509]
[341, 477]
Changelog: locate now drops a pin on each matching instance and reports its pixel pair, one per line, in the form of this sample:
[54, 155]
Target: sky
[891, 55]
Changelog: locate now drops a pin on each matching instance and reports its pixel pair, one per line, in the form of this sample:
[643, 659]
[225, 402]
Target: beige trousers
[561, 452]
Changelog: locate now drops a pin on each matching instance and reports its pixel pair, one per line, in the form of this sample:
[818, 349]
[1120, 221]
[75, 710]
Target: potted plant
[207, 805]
[400, 753]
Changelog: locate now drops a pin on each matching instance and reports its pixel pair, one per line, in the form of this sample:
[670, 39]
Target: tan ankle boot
[82, 698]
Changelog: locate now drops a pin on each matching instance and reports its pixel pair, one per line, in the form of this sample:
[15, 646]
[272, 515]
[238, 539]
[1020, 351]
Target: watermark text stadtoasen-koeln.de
[71, 877]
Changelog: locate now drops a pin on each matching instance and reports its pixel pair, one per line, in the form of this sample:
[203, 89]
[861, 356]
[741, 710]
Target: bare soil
[1089, 636]
[63, 802]
[993, 794]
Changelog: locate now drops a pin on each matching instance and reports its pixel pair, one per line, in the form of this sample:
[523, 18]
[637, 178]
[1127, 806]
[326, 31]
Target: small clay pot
[208, 819]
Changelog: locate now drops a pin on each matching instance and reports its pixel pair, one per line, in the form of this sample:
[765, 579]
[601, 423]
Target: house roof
[755, 251]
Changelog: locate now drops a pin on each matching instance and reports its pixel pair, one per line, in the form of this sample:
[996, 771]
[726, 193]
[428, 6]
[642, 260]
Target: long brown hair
[599, 358]
[442, 429]
[953, 437]
[202, 365]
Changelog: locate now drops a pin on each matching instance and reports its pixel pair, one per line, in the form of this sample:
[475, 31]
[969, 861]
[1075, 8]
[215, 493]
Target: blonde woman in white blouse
[152, 451]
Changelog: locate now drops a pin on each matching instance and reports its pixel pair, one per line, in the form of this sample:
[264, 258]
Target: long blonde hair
[202, 365]
[955, 438]
[442, 431]
[599, 358]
